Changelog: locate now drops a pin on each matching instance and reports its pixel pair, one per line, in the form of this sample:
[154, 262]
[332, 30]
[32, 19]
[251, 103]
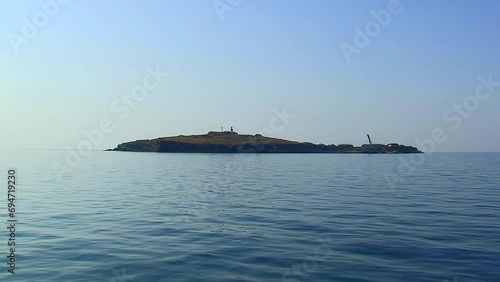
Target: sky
[411, 69]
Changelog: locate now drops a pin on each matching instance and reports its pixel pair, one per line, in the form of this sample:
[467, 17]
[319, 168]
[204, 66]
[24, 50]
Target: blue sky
[263, 55]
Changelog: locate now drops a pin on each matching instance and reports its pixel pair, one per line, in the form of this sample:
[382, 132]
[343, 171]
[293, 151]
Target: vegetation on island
[232, 142]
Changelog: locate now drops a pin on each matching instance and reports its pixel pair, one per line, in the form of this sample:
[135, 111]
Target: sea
[136, 217]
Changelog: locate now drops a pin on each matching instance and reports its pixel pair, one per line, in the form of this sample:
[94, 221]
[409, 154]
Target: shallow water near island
[227, 217]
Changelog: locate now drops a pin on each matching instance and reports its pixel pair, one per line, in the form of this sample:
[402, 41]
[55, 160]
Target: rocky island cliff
[231, 142]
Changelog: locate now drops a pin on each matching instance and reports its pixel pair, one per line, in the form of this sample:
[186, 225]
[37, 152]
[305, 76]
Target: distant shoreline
[231, 143]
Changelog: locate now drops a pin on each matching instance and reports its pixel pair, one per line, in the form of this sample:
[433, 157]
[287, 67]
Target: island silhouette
[232, 142]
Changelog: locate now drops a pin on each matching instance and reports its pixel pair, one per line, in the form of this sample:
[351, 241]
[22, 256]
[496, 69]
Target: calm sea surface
[220, 217]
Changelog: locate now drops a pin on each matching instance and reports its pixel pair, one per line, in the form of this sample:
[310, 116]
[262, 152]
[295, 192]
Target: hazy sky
[240, 65]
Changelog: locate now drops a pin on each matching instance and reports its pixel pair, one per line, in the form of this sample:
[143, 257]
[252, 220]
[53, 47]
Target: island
[232, 142]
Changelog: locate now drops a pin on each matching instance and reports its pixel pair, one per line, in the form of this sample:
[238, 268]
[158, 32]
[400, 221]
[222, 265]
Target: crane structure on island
[369, 139]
